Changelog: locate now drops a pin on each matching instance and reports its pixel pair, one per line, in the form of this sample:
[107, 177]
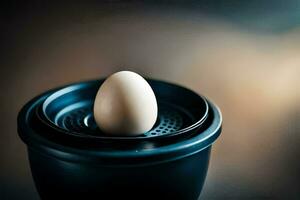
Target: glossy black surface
[180, 179]
[78, 165]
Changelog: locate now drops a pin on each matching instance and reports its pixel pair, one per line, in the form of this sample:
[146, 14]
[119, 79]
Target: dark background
[244, 55]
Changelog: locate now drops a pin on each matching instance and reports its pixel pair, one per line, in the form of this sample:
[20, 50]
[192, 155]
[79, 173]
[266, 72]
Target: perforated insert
[79, 118]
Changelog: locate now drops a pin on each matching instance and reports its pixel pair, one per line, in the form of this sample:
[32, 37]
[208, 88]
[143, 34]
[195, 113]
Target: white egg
[125, 105]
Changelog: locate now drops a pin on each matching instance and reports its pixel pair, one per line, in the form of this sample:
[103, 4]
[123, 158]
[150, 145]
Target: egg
[125, 105]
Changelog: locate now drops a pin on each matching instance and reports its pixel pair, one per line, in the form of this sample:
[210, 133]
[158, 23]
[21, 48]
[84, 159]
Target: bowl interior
[71, 109]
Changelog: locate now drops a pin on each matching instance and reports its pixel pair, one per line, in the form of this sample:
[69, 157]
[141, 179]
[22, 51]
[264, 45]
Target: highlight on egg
[125, 105]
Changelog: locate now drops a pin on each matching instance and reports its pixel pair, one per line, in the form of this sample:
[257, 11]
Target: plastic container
[71, 158]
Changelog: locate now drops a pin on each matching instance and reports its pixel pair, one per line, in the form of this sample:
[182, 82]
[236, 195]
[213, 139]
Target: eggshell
[125, 104]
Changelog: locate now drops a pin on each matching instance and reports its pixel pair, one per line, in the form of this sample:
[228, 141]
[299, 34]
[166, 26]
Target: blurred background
[243, 55]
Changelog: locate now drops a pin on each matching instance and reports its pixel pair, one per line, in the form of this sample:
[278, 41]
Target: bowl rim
[169, 152]
[81, 85]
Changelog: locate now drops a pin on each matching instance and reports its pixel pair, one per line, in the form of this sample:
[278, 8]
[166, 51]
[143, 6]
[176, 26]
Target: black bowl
[71, 158]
